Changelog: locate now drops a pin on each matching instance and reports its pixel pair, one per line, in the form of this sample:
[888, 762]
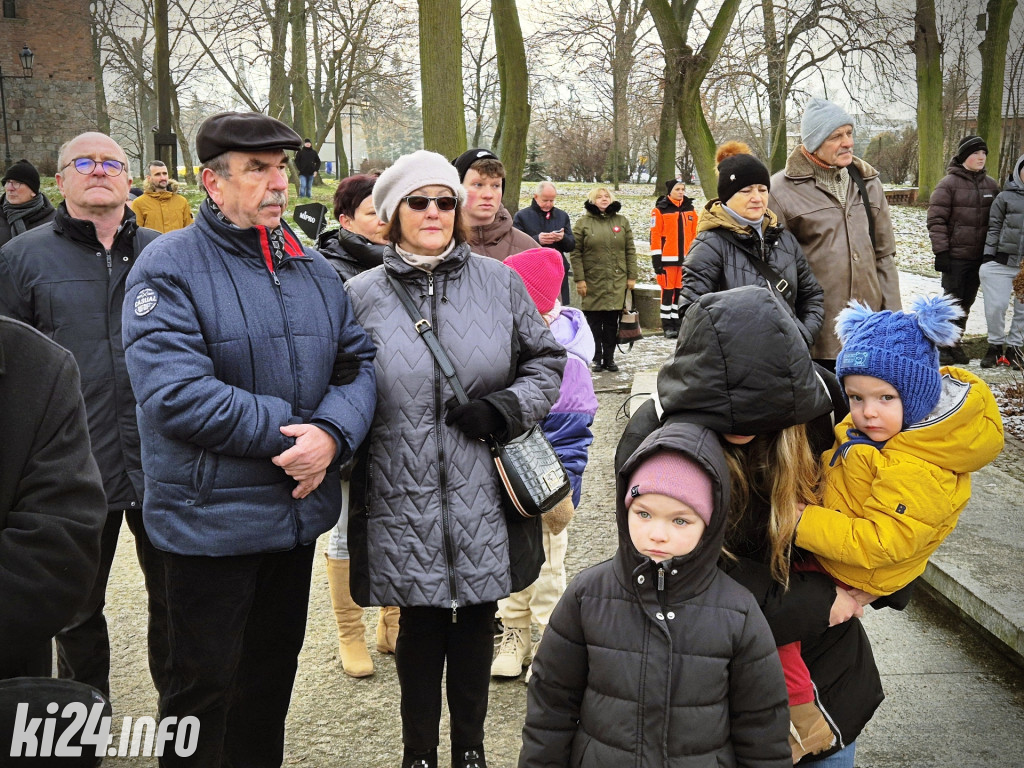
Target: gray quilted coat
[426, 526]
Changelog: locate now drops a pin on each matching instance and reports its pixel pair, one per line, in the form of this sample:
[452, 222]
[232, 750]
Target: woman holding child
[742, 369]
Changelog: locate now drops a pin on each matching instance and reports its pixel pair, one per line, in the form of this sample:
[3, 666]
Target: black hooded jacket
[349, 253]
[659, 664]
[741, 367]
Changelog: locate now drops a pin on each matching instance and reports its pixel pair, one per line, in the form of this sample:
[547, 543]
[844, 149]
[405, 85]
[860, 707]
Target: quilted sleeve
[556, 689]
[539, 365]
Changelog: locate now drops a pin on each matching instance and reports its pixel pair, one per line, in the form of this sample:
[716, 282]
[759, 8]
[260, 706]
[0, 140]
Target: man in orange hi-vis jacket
[673, 227]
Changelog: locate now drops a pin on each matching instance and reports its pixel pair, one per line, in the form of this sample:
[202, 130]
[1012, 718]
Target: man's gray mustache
[275, 198]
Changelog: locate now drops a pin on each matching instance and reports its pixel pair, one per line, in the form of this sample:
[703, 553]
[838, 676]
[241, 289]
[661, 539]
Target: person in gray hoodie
[1004, 252]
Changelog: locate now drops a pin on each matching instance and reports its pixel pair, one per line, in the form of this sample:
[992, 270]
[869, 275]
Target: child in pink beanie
[567, 426]
[657, 657]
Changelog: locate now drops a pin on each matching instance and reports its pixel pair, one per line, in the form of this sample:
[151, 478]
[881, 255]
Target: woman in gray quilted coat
[427, 529]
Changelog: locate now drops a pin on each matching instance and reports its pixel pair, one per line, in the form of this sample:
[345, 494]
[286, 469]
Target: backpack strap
[855, 174]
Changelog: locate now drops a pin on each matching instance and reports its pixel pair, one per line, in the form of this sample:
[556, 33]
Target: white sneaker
[513, 653]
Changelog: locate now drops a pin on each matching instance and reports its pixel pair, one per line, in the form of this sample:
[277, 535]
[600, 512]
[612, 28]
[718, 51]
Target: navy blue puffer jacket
[224, 347]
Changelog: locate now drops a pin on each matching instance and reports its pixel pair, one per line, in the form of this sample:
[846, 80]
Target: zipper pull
[661, 579]
[276, 281]
[110, 266]
[430, 285]
[455, 611]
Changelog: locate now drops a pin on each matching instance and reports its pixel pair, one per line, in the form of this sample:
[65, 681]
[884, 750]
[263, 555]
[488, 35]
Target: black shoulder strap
[423, 328]
[854, 172]
[780, 284]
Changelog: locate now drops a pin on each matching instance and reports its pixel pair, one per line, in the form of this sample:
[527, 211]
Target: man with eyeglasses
[66, 279]
[255, 383]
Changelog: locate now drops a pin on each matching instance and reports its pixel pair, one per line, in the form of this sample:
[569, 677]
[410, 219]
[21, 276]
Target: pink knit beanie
[542, 271]
[670, 473]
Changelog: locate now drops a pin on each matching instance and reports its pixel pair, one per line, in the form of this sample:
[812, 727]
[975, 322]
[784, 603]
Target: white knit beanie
[820, 119]
[409, 173]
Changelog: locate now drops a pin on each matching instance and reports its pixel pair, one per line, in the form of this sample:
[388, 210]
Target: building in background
[59, 100]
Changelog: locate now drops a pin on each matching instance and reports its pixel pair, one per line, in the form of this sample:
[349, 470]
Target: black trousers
[961, 281]
[83, 647]
[604, 324]
[236, 628]
[427, 639]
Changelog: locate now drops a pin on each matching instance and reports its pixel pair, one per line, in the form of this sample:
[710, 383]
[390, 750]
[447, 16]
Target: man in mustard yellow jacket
[160, 207]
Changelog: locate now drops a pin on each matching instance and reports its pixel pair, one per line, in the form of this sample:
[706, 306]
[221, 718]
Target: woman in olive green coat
[604, 263]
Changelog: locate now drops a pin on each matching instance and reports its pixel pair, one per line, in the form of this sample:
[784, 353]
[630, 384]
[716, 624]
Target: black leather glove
[656, 263]
[346, 368]
[476, 419]
[942, 262]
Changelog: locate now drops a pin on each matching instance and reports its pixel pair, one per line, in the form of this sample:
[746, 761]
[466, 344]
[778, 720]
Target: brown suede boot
[355, 659]
[387, 628]
[809, 731]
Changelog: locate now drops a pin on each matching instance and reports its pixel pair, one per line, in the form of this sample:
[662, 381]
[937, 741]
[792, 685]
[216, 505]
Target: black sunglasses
[421, 202]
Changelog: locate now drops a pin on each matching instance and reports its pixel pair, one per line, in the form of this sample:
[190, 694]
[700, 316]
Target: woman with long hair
[742, 368]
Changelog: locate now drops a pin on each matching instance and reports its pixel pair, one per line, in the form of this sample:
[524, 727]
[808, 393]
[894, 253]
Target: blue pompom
[936, 316]
[850, 319]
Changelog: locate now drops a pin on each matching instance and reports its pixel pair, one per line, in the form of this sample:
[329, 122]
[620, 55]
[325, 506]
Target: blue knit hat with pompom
[900, 348]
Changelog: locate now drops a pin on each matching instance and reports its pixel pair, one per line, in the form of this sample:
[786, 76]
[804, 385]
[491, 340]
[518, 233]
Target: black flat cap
[243, 132]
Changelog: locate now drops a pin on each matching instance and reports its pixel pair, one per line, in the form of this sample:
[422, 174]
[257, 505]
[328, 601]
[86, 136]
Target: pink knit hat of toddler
[672, 474]
[542, 271]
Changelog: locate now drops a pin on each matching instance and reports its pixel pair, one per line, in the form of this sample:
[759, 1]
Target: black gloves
[942, 262]
[476, 419]
[656, 263]
[346, 368]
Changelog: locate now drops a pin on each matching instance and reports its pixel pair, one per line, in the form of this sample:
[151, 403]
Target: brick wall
[59, 100]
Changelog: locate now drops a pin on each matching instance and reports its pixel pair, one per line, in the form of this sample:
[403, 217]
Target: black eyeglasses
[422, 202]
[86, 165]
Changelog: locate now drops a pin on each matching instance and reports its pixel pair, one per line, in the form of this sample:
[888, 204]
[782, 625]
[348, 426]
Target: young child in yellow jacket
[898, 477]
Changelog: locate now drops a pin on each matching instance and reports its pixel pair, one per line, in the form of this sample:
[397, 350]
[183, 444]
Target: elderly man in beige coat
[834, 204]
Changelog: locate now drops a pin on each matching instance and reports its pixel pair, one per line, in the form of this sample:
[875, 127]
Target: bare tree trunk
[102, 116]
[508, 40]
[693, 68]
[444, 124]
[278, 92]
[993, 72]
[666, 162]
[928, 53]
[303, 109]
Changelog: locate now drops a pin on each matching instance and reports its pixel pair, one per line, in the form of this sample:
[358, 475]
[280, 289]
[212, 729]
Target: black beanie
[671, 184]
[24, 172]
[470, 156]
[739, 171]
[968, 146]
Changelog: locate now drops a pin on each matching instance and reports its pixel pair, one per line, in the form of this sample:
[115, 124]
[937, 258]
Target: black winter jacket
[722, 256]
[958, 212]
[739, 369]
[533, 221]
[307, 161]
[659, 665]
[349, 253]
[36, 219]
[61, 280]
[52, 508]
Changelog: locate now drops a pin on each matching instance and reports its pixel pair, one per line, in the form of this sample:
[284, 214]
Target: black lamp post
[27, 58]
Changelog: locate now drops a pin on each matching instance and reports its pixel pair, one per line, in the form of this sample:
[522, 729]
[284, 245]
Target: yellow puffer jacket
[884, 512]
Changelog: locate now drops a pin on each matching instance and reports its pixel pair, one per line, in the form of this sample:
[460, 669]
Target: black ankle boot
[426, 759]
[473, 757]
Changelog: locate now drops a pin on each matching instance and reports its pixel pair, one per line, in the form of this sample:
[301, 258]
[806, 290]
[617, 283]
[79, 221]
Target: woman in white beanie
[427, 529]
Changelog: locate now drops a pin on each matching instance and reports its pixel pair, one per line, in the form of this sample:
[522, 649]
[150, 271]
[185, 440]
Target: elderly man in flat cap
[254, 385]
[834, 204]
